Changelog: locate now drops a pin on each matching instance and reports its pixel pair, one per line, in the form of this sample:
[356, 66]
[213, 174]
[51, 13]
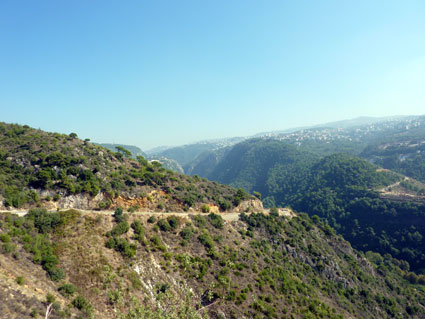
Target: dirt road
[226, 216]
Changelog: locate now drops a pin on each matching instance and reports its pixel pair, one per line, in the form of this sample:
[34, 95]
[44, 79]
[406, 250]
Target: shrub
[135, 280]
[122, 245]
[20, 280]
[274, 212]
[50, 298]
[120, 229]
[205, 208]
[82, 304]
[200, 221]
[8, 248]
[118, 215]
[67, 290]
[173, 221]
[207, 241]
[216, 220]
[187, 233]
[157, 243]
[44, 221]
[224, 205]
[132, 209]
[164, 225]
[110, 243]
[5, 238]
[55, 273]
[138, 227]
[151, 219]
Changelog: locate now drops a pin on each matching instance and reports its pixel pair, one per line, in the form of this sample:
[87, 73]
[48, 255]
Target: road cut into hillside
[232, 216]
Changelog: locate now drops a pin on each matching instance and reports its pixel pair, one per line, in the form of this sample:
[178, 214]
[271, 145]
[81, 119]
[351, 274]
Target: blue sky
[162, 72]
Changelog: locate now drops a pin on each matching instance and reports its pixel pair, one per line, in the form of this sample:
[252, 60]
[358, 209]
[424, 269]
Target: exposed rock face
[254, 205]
[150, 202]
[81, 201]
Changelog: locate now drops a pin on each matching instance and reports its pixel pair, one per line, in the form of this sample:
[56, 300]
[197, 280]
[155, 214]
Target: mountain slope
[403, 152]
[56, 170]
[344, 189]
[256, 164]
[179, 267]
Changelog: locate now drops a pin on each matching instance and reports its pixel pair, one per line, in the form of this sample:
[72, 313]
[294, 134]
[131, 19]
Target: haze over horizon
[152, 74]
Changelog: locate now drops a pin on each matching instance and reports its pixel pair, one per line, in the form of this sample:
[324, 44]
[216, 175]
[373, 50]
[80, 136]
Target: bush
[44, 221]
[173, 221]
[132, 209]
[34, 313]
[205, 208]
[216, 220]
[82, 304]
[8, 248]
[138, 228]
[151, 219]
[157, 243]
[122, 245]
[20, 280]
[110, 243]
[224, 205]
[207, 241]
[55, 273]
[67, 290]
[187, 233]
[118, 215]
[200, 221]
[164, 225]
[5, 238]
[135, 280]
[120, 229]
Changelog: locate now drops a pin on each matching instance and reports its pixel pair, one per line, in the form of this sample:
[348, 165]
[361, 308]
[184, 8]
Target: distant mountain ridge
[316, 136]
[135, 150]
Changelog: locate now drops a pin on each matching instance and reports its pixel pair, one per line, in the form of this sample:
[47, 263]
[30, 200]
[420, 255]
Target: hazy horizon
[173, 73]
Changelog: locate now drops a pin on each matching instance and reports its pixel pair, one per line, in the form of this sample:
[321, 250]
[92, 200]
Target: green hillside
[47, 169]
[403, 152]
[341, 188]
[186, 153]
[262, 165]
[151, 266]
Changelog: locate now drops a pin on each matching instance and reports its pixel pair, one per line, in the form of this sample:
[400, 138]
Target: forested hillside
[262, 166]
[341, 188]
[395, 143]
[57, 170]
[402, 152]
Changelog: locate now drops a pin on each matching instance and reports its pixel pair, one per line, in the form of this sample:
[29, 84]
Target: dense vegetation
[396, 144]
[403, 152]
[33, 162]
[131, 266]
[340, 188]
[262, 166]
